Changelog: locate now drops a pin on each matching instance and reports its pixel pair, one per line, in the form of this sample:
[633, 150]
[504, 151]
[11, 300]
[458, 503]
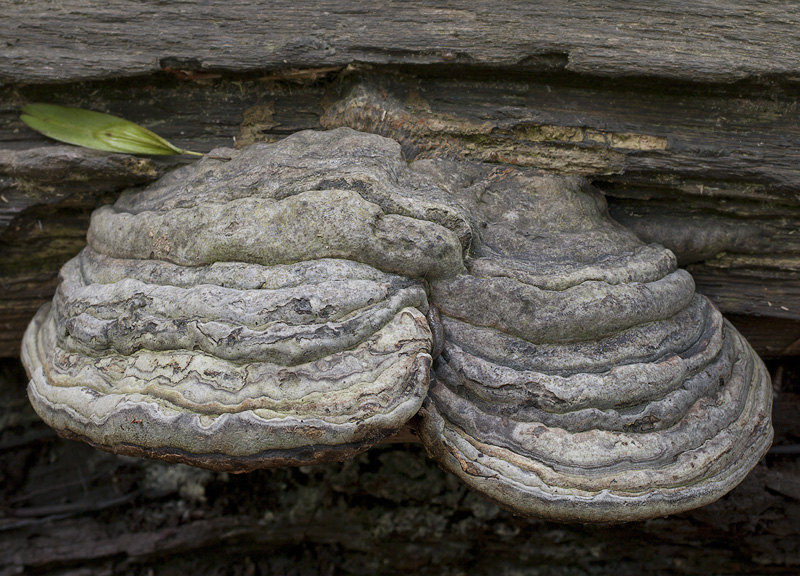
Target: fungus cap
[582, 379]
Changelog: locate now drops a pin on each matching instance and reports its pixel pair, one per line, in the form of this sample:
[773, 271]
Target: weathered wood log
[46, 197]
[684, 116]
[80, 40]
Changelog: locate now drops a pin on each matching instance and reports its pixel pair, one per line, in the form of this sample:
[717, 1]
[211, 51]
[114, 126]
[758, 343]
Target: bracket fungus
[261, 312]
[272, 311]
[582, 378]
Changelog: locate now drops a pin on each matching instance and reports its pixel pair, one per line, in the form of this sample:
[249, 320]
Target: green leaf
[96, 130]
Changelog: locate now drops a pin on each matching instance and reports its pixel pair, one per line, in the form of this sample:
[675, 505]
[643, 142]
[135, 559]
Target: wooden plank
[715, 42]
[652, 142]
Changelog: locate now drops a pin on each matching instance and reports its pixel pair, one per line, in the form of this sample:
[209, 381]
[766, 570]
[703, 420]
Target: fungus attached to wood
[271, 311]
[260, 312]
[582, 379]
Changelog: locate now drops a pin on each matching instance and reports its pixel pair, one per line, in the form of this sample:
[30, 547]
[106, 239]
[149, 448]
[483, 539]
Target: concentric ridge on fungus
[271, 311]
[261, 312]
[581, 376]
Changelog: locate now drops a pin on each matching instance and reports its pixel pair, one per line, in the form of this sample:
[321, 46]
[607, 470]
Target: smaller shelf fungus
[582, 378]
[295, 305]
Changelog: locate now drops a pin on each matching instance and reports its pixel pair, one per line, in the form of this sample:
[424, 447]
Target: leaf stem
[193, 153]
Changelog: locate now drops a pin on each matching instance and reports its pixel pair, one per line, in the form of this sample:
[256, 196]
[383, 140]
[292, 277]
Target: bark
[721, 42]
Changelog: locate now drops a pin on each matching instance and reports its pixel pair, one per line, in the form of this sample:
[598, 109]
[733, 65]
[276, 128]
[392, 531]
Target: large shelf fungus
[272, 311]
[261, 312]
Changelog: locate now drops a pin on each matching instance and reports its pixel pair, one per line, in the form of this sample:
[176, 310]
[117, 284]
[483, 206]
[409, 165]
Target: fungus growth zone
[306, 299]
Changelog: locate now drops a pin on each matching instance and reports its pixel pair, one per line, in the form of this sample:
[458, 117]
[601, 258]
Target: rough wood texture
[46, 197]
[80, 39]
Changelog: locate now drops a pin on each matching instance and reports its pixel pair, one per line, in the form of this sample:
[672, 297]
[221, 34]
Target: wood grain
[712, 42]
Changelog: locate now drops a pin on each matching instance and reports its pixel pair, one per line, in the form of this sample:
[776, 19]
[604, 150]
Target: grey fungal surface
[249, 313]
[296, 305]
[581, 378]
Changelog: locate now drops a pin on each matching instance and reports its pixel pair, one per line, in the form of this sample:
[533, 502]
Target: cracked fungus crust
[272, 311]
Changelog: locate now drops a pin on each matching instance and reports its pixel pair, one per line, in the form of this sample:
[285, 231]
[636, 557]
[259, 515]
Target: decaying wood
[46, 197]
[79, 39]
